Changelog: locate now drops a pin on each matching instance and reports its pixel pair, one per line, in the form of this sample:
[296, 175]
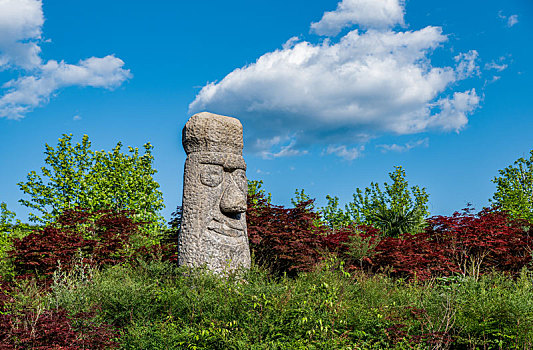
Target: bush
[26, 321]
[285, 240]
[448, 286]
[394, 210]
[76, 176]
[7, 237]
[356, 245]
[514, 189]
[101, 237]
[412, 256]
[155, 305]
[53, 329]
[482, 242]
[464, 243]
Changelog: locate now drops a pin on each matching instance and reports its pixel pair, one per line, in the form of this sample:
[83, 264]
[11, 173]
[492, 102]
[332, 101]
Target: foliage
[514, 189]
[286, 240]
[154, 305]
[289, 241]
[8, 232]
[354, 245]
[6, 217]
[395, 210]
[300, 197]
[464, 243]
[76, 176]
[256, 191]
[461, 281]
[361, 247]
[39, 254]
[334, 217]
[398, 221]
[6, 221]
[411, 257]
[408, 256]
[175, 220]
[168, 248]
[482, 242]
[101, 236]
[27, 321]
[158, 306]
[53, 329]
[492, 312]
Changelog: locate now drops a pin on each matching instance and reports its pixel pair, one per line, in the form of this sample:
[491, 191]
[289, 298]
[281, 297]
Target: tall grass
[159, 306]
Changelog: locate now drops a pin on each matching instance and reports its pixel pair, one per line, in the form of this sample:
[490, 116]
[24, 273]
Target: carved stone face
[213, 231]
[224, 179]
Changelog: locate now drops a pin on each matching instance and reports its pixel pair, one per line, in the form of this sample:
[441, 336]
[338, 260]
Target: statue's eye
[211, 174]
[239, 176]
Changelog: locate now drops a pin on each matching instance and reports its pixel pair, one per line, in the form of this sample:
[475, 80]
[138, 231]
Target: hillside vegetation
[376, 274]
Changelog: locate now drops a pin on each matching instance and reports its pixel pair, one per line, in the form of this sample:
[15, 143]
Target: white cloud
[277, 147]
[496, 66]
[288, 151]
[20, 31]
[453, 111]
[30, 91]
[365, 13]
[344, 152]
[345, 92]
[404, 148]
[77, 117]
[493, 80]
[466, 64]
[510, 21]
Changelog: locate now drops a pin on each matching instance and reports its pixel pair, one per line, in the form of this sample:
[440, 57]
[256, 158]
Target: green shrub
[495, 312]
[159, 306]
[8, 233]
[75, 176]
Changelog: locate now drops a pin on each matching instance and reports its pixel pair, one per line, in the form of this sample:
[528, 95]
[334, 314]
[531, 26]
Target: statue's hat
[208, 132]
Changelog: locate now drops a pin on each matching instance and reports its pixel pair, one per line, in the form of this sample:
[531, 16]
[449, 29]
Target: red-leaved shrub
[404, 256]
[412, 255]
[101, 235]
[464, 243]
[39, 253]
[343, 244]
[337, 242]
[285, 240]
[53, 329]
[479, 243]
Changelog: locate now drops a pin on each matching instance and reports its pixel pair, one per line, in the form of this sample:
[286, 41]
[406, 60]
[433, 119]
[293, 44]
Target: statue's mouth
[230, 228]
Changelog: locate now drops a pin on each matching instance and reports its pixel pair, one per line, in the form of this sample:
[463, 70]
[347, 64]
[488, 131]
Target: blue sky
[332, 94]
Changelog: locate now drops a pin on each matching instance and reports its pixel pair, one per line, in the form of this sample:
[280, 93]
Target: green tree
[6, 217]
[6, 225]
[360, 247]
[514, 189]
[300, 196]
[76, 176]
[255, 189]
[394, 210]
[333, 215]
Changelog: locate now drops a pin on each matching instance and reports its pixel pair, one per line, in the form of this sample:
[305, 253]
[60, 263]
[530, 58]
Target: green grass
[159, 306]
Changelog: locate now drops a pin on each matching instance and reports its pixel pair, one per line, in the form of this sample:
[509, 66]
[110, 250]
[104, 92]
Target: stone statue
[213, 228]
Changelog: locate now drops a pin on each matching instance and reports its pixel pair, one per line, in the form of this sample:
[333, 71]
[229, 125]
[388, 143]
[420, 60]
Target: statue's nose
[233, 200]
